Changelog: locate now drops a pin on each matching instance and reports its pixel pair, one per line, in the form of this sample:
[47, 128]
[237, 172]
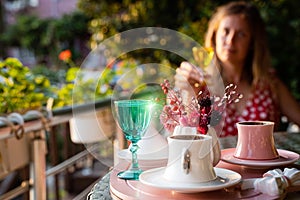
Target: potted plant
[21, 91]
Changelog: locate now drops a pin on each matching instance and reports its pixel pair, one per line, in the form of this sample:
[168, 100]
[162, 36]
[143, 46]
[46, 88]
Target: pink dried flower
[204, 110]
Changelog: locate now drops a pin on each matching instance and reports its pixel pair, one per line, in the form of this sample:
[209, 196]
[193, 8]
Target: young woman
[236, 33]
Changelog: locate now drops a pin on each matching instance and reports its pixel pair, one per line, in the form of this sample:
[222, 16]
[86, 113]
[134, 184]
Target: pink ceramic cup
[255, 141]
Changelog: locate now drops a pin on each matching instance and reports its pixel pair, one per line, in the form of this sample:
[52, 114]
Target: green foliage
[283, 26]
[191, 17]
[33, 32]
[80, 88]
[23, 89]
[20, 89]
[56, 77]
[46, 37]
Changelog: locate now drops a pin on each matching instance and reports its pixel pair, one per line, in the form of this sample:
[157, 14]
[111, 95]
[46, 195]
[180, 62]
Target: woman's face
[233, 40]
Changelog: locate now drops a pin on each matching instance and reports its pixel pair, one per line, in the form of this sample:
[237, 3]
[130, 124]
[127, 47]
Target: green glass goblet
[133, 118]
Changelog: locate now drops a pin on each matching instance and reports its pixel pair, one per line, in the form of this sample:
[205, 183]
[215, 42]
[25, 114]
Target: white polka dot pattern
[259, 106]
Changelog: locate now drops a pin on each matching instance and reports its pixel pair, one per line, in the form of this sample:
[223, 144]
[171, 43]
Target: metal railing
[37, 133]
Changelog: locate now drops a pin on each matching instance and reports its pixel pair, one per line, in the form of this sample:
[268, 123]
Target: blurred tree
[191, 17]
[105, 18]
[47, 37]
[114, 16]
[283, 26]
[1, 29]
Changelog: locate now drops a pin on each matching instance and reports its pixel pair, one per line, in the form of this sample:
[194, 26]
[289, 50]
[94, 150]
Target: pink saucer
[285, 157]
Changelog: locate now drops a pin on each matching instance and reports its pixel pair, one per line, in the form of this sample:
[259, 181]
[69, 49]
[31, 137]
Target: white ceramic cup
[216, 151]
[255, 141]
[189, 159]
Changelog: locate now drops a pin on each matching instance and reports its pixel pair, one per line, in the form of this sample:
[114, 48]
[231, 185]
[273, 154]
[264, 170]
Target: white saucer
[154, 177]
[285, 157]
[160, 155]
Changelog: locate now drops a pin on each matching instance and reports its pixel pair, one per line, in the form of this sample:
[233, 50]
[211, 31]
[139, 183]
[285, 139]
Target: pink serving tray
[122, 189]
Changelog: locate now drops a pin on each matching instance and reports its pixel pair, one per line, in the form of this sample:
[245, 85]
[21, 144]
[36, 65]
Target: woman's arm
[289, 106]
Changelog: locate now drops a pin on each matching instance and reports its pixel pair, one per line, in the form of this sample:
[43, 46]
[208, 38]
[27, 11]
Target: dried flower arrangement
[203, 111]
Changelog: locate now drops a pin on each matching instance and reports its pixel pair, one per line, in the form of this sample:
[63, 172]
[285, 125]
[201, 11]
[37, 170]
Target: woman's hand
[189, 77]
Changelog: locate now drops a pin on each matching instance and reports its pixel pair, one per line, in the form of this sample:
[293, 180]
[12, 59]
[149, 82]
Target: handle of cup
[186, 160]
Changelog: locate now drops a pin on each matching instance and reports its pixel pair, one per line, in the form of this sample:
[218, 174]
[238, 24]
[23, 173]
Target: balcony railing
[41, 149]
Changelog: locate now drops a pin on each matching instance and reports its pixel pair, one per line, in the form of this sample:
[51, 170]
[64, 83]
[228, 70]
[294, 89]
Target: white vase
[185, 130]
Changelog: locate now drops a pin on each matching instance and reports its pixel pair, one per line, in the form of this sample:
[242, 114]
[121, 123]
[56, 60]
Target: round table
[110, 187]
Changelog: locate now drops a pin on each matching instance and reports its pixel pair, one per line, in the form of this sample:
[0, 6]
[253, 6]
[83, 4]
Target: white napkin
[274, 182]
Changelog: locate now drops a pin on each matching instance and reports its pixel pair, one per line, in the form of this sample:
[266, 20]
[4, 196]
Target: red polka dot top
[259, 106]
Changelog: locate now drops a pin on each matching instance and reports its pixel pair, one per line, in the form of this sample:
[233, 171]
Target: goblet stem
[133, 149]
[134, 170]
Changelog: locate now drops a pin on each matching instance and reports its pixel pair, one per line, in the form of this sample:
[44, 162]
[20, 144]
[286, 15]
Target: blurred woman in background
[237, 35]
